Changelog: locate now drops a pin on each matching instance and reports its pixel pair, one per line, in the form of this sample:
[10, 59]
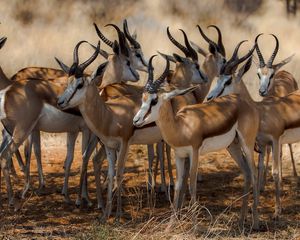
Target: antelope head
[136, 55]
[153, 97]
[228, 81]
[216, 57]
[78, 82]
[267, 71]
[119, 67]
[2, 41]
[187, 69]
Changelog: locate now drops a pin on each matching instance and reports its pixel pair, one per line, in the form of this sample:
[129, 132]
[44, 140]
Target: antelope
[279, 122]
[138, 62]
[198, 129]
[29, 105]
[5, 82]
[212, 64]
[278, 84]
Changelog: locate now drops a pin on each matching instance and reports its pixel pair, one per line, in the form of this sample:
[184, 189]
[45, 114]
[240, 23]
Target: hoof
[17, 206]
[102, 219]
[276, 217]
[78, 203]
[41, 191]
[68, 200]
[199, 178]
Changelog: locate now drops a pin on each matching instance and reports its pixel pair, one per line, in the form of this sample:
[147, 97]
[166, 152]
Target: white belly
[290, 136]
[149, 135]
[219, 142]
[2, 101]
[55, 121]
[212, 144]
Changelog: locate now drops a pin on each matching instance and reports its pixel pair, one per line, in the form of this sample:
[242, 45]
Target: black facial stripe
[228, 82]
[201, 75]
[154, 102]
[76, 88]
[133, 73]
[258, 75]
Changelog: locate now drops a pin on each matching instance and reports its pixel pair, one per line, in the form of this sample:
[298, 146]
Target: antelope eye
[224, 61]
[228, 82]
[154, 102]
[138, 55]
[128, 63]
[272, 75]
[80, 85]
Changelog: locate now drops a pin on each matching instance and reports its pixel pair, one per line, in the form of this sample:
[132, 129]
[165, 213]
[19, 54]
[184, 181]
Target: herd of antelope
[178, 110]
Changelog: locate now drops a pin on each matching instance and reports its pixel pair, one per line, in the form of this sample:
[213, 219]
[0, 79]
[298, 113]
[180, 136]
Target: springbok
[212, 64]
[278, 84]
[202, 128]
[138, 61]
[214, 59]
[279, 122]
[30, 105]
[4, 83]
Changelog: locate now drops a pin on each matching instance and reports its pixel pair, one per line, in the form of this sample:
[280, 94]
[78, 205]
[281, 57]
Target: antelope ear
[245, 68]
[102, 52]
[63, 66]
[282, 63]
[97, 75]
[178, 92]
[178, 58]
[199, 49]
[167, 57]
[116, 47]
[2, 41]
[134, 35]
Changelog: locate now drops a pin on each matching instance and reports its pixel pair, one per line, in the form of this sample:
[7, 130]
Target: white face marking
[129, 73]
[223, 87]
[138, 60]
[141, 118]
[265, 79]
[196, 76]
[74, 94]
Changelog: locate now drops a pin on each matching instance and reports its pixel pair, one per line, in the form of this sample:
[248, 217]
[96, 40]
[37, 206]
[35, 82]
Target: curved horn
[75, 52]
[102, 37]
[235, 52]
[149, 82]
[84, 65]
[220, 40]
[270, 62]
[177, 44]
[192, 53]
[232, 65]
[209, 41]
[162, 77]
[132, 41]
[2, 41]
[260, 56]
[122, 39]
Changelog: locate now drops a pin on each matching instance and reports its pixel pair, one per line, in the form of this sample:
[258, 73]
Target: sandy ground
[48, 217]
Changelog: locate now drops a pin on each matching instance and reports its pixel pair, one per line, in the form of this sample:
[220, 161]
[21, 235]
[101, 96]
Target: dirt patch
[48, 217]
